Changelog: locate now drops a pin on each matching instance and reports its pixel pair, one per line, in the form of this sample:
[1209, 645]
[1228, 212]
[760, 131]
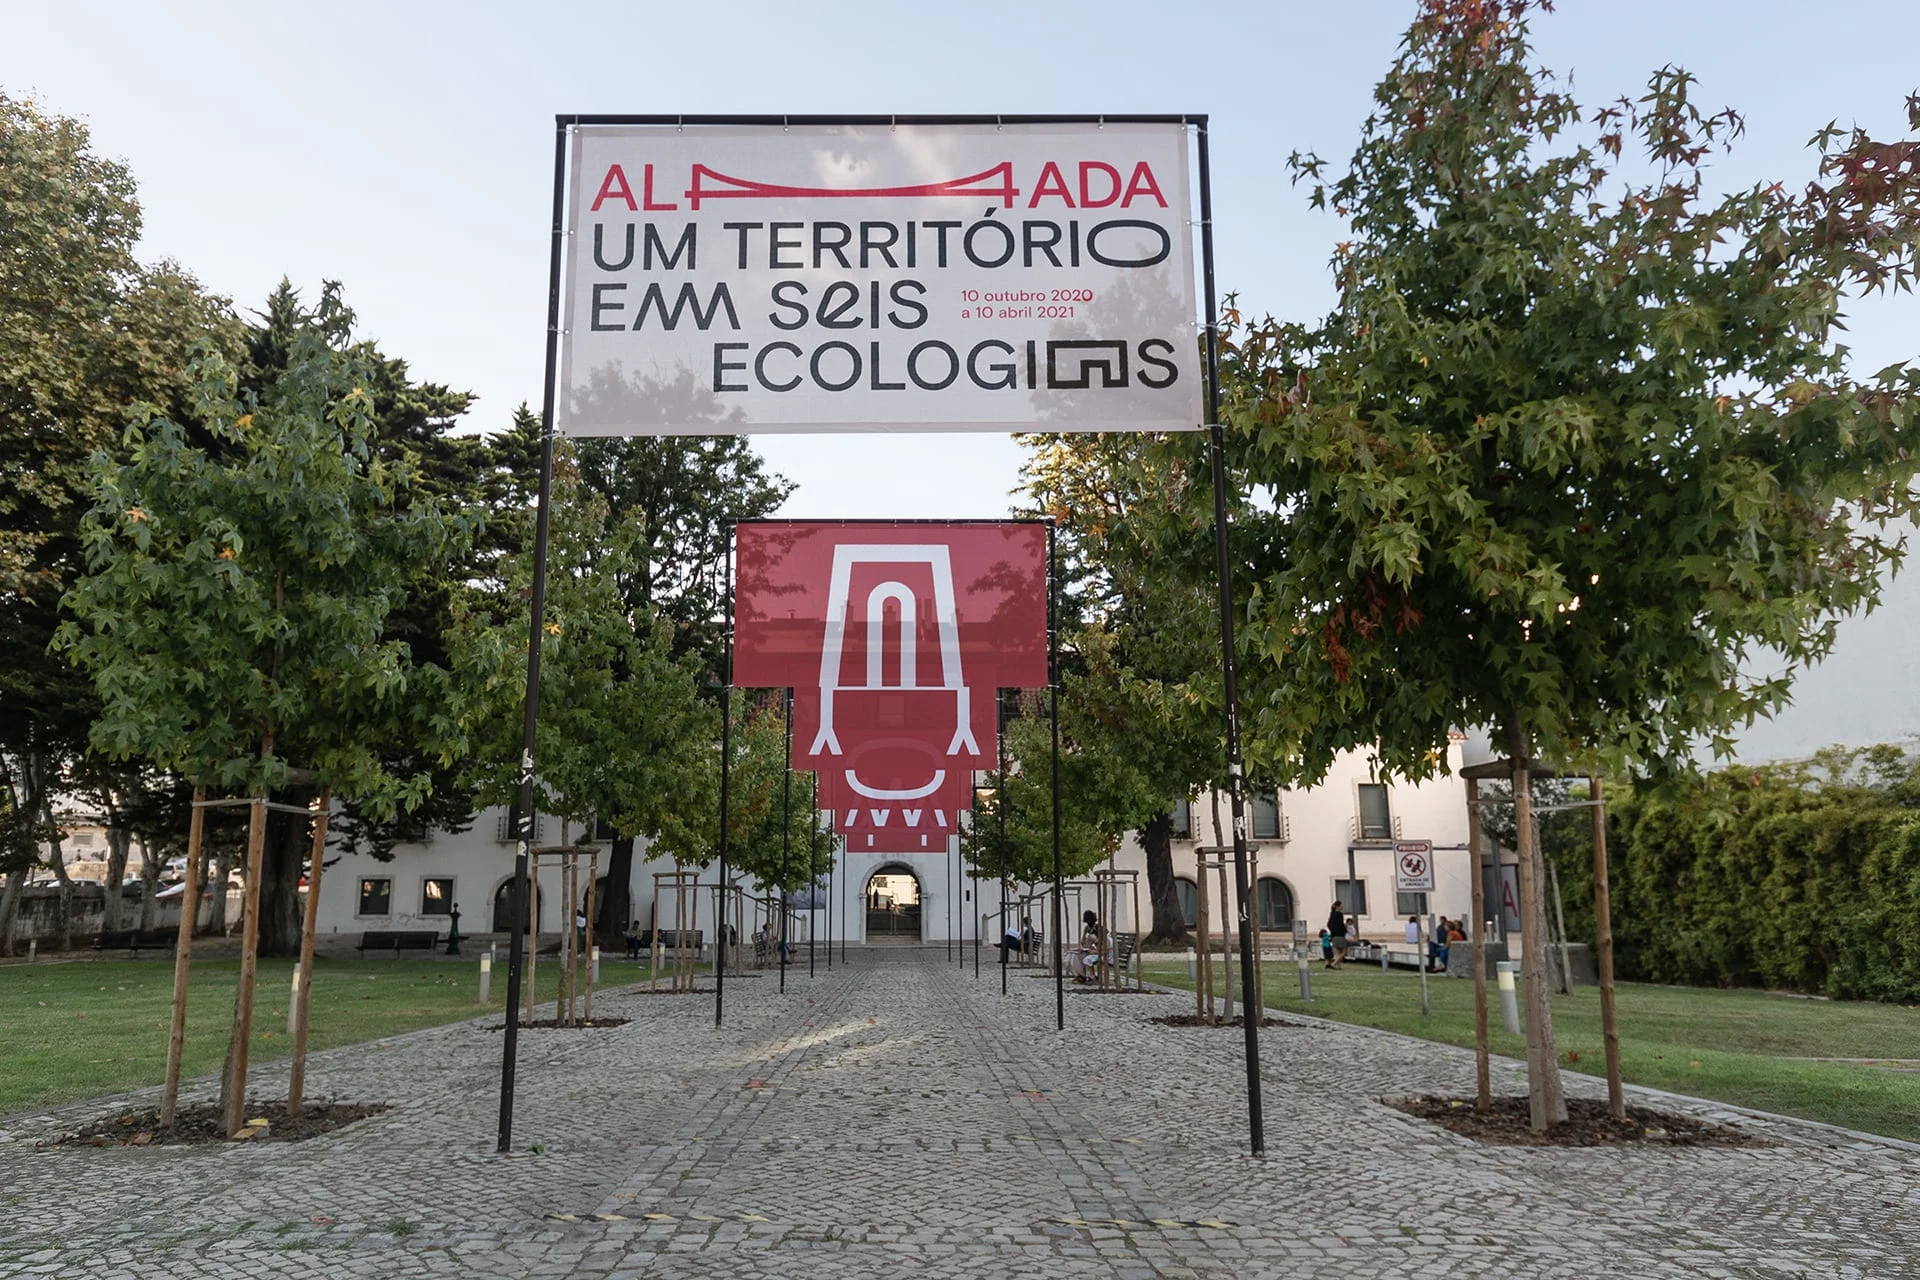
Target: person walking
[1337, 931]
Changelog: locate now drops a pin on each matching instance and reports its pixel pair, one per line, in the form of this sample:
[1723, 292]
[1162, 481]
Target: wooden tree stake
[233, 1094]
[1603, 953]
[183, 959]
[302, 1004]
[1483, 1082]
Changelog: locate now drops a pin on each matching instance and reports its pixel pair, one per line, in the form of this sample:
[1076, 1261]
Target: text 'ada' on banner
[726, 279]
[895, 639]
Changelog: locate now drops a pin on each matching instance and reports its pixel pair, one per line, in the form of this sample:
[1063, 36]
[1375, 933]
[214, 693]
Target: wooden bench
[136, 940]
[671, 939]
[398, 940]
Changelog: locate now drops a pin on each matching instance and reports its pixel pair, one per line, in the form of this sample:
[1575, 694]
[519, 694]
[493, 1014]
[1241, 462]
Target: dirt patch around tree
[1588, 1125]
[1237, 1020]
[201, 1123]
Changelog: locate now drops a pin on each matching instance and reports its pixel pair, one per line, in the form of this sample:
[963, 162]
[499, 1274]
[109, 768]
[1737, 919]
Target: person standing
[1337, 931]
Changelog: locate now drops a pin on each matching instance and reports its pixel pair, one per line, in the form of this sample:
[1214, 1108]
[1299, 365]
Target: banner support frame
[1230, 684]
[510, 1042]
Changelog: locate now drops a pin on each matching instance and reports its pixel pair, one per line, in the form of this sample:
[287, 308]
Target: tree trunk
[221, 860]
[1547, 1100]
[57, 859]
[610, 923]
[288, 839]
[149, 883]
[10, 907]
[118, 841]
[1163, 896]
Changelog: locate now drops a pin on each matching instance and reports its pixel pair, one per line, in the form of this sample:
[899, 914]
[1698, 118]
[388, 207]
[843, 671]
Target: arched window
[1189, 894]
[502, 904]
[1276, 904]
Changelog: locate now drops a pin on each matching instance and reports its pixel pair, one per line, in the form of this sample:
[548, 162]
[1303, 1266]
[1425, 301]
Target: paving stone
[896, 1116]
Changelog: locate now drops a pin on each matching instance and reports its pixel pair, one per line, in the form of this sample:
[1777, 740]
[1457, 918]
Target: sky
[406, 149]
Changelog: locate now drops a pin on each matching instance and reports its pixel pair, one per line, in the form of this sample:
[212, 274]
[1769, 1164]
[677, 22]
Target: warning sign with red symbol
[1413, 866]
[895, 639]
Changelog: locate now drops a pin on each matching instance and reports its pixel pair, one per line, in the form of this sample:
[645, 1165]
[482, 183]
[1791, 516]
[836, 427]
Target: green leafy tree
[1097, 790]
[755, 794]
[1574, 443]
[413, 427]
[1145, 649]
[622, 727]
[680, 495]
[243, 566]
[85, 331]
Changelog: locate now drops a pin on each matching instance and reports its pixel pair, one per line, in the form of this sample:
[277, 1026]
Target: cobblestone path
[898, 1118]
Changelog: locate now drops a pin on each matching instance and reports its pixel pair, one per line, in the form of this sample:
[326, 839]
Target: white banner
[726, 279]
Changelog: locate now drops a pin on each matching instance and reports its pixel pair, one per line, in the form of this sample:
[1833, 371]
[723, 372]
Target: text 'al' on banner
[736, 278]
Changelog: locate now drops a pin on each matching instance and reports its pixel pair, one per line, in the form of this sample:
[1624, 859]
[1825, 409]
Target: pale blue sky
[405, 149]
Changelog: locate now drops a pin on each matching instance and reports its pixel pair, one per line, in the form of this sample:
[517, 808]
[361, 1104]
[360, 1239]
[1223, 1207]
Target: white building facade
[1312, 846]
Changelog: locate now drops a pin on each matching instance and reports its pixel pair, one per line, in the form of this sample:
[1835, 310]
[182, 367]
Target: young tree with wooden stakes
[243, 560]
[1577, 441]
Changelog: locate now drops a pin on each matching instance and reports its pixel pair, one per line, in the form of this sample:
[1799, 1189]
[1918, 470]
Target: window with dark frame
[1409, 904]
[1352, 895]
[376, 896]
[1182, 810]
[1376, 820]
[1266, 816]
[436, 896]
[1276, 905]
[1189, 895]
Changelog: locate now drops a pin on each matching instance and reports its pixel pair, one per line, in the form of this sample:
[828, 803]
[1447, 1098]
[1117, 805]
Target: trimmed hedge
[1801, 877]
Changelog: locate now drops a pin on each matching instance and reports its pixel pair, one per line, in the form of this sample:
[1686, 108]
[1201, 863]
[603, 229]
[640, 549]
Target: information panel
[726, 279]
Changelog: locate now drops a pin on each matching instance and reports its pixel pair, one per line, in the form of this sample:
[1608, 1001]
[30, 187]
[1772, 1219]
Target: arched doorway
[1276, 905]
[502, 904]
[893, 905]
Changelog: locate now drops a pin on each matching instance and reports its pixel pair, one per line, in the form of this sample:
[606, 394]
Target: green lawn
[87, 1028]
[1741, 1047]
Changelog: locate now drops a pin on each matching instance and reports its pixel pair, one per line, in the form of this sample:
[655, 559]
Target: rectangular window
[1376, 822]
[376, 897]
[1409, 904]
[1183, 819]
[1266, 816]
[1352, 895]
[436, 896]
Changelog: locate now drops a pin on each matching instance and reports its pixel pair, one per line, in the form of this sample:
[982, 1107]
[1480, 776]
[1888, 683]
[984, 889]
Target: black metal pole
[786, 832]
[726, 774]
[1000, 812]
[1053, 717]
[974, 875]
[813, 877]
[530, 720]
[833, 873]
[1230, 683]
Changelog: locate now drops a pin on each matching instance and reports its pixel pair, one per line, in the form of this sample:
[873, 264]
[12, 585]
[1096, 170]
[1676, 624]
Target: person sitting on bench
[1016, 940]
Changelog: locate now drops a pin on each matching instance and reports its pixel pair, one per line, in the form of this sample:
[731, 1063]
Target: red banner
[895, 639]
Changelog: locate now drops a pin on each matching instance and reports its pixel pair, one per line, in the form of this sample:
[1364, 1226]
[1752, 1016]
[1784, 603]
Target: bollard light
[1193, 966]
[1306, 977]
[595, 965]
[293, 1001]
[1509, 999]
[486, 977]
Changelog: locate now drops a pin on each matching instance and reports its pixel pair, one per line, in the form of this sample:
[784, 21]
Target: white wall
[1320, 823]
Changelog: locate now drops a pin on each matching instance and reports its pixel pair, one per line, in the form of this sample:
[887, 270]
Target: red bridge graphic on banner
[730, 188]
[895, 639]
